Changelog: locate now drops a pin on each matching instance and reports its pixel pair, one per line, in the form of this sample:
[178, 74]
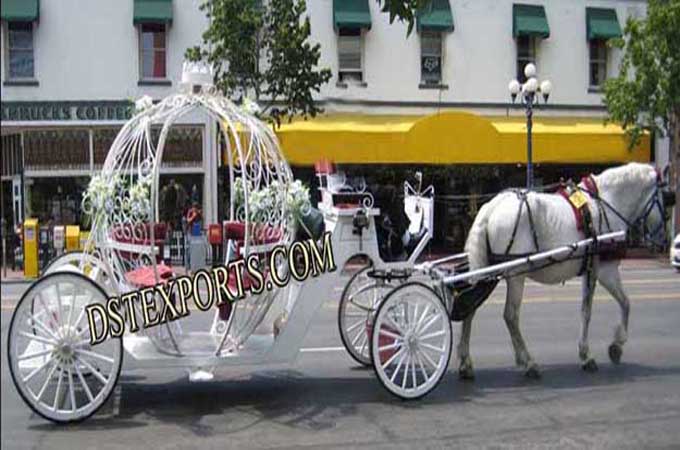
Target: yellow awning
[455, 138]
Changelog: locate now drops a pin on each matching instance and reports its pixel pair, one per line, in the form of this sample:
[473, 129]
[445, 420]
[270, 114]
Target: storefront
[51, 149]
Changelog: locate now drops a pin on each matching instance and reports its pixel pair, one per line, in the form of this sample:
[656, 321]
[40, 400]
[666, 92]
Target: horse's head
[643, 199]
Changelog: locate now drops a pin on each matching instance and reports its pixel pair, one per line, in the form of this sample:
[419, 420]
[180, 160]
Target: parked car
[675, 253]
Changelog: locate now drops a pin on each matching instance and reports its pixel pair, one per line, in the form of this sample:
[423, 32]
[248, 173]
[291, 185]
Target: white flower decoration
[143, 103]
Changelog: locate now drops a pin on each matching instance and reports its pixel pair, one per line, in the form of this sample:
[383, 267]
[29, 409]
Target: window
[20, 50]
[349, 55]
[526, 53]
[431, 57]
[598, 63]
[152, 51]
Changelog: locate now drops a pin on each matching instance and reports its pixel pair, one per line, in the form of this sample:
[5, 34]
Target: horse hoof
[615, 352]
[533, 372]
[466, 373]
[590, 366]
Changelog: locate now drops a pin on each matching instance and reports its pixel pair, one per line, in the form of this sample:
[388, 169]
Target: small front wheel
[411, 341]
[358, 304]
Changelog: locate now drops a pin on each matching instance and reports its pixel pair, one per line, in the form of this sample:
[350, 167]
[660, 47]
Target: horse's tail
[476, 244]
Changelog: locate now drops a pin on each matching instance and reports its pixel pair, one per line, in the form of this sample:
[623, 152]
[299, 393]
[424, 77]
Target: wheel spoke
[384, 332]
[71, 391]
[413, 371]
[355, 325]
[34, 355]
[34, 337]
[36, 370]
[57, 393]
[432, 335]
[394, 324]
[408, 363]
[94, 371]
[59, 311]
[96, 356]
[422, 368]
[40, 325]
[363, 341]
[432, 347]
[357, 338]
[46, 309]
[82, 381]
[47, 381]
[396, 371]
[422, 317]
[429, 323]
[428, 360]
[389, 346]
[393, 357]
[72, 307]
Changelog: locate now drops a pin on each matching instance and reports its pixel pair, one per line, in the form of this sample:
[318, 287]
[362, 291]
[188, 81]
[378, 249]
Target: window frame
[440, 36]
[522, 61]
[602, 61]
[141, 51]
[358, 33]
[7, 49]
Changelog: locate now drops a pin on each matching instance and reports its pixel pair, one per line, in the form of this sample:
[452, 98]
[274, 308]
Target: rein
[653, 202]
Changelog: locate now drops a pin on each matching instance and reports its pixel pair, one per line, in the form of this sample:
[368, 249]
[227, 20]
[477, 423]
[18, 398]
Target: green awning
[351, 14]
[436, 16]
[20, 10]
[529, 20]
[602, 23]
[152, 11]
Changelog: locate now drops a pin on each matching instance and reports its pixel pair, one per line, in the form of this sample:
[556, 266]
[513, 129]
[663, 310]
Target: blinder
[668, 198]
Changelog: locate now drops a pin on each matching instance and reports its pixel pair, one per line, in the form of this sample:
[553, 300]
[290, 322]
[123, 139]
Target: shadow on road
[295, 400]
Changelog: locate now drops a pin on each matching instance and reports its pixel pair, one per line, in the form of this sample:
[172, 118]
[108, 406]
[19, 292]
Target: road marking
[321, 349]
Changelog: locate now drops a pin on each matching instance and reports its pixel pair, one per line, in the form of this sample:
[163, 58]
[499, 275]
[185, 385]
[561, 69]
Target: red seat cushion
[145, 276]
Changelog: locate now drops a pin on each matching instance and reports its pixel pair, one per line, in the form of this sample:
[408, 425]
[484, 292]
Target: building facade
[71, 70]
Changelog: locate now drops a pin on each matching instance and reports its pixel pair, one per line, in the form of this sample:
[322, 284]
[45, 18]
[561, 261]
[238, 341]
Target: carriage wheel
[49, 352]
[411, 341]
[358, 303]
[81, 262]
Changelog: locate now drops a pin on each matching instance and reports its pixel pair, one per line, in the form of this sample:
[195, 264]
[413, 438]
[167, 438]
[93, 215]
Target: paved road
[324, 400]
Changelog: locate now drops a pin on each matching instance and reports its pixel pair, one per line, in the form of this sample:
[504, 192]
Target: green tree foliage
[646, 94]
[404, 10]
[262, 50]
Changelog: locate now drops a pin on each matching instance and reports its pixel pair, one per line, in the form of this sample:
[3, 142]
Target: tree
[404, 10]
[646, 94]
[263, 51]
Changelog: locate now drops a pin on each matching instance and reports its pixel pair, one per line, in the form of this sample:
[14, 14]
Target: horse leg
[587, 287]
[610, 278]
[513, 301]
[465, 369]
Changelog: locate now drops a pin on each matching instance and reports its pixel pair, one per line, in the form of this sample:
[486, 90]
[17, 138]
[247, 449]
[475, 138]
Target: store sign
[66, 111]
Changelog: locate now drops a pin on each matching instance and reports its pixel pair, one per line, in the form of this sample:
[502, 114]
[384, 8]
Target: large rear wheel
[56, 371]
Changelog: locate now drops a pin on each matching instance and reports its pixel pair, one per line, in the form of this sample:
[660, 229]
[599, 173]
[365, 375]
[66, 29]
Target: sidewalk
[637, 263]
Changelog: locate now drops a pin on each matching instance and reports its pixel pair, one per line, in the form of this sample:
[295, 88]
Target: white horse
[629, 195]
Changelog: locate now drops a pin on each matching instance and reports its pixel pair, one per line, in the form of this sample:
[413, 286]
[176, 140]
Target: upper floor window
[20, 56]
[598, 63]
[526, 53]
[152, 51]
[430, 57]
[350, 67]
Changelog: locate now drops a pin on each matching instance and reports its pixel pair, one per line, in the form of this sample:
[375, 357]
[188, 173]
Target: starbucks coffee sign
[66, 111]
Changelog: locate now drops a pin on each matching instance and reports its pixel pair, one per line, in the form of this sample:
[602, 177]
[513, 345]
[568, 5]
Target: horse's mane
[634, 173]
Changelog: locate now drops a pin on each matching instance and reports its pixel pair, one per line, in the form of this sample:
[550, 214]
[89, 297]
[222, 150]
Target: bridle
[654, 202]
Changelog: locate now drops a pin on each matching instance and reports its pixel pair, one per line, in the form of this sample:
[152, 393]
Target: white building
[70, 69]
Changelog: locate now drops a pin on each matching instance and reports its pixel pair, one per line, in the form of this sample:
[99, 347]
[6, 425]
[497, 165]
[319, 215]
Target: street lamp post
[527, 93]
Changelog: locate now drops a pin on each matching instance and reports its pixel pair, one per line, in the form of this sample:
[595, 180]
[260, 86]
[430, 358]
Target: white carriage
[55, 369]
[407, 329]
